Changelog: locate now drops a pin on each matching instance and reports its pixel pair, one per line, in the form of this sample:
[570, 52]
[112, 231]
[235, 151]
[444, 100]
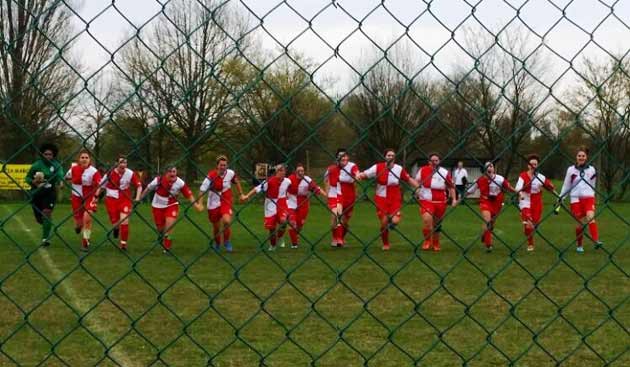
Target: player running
[298, 201]
[332, 186]
[579, 184]
[388, 196]
[529, 187]
[276, 211]
[165, 206]
[436, 186]
[45, 177]
[218, 185]
[347, 178]
[491, 188]
[117, 184]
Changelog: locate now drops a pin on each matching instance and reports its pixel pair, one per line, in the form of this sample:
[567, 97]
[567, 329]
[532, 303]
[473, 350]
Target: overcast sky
[429, 27]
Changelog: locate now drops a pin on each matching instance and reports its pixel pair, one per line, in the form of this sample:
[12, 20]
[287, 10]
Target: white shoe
[282, 244]
[530, 248]
[294, 246]
[271, 248]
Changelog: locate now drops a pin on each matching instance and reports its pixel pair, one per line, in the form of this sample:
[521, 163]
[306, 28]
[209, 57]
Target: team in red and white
[300, 190]
[348, 172]
[529, 186]
[335, 199]
[117, 184]
[491, 188]
[165, 204]
[218, 186]
[436, 185]
[276, 210]
[388, 196]
[579, 185]
[84, 180]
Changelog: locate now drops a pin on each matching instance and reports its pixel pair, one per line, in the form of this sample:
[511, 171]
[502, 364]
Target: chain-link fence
[91, 89]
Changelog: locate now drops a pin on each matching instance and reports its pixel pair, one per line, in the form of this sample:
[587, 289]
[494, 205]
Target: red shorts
[297, 216]
[437, 210]
[387, 207]
[79, 206]
[532, 214]
[117, 209]
[215, 215]
[160, 214]
[583, 206]
[281, 216]
[348, 201]
[332, 203]
[494, 207]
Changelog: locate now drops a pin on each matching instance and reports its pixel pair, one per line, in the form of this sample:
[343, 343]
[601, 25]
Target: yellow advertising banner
[12, 176]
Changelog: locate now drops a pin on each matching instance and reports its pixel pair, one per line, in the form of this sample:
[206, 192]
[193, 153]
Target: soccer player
[388, 196]
[165, 206]
[332, 186]
[85, 179]
[491, 188]
[579, 184]
[461, 179]
[347, 178]
[118, 200]
[436, 185]
[529, 186]
[45, 177]
[298, 203]
[218, 185]
[276, 211]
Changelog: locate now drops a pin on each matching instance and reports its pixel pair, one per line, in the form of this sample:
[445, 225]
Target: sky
[433, 29]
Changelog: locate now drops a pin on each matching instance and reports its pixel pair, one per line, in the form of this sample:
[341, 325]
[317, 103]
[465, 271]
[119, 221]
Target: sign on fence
[12, 177]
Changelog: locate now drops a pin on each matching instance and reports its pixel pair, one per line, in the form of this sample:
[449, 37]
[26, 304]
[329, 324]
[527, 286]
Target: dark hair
[121, 156]
[341, 152]
[387, 150]
[583, 148]
[533, 156]
[49, 146]
[299, 164]
[434, 154]
[84, 151]
[170, 168]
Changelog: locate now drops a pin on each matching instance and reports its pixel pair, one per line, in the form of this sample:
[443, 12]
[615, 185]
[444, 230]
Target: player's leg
[159, 218]
[438, 216]
[528, 227]
[426, 212]
[168, 230]
[87, 229]
[348, 210]
[226, 222]
[77, 213]
[486, 227]
[579, 216]
[113, 213]
[124, 214]
[588, 205]
[271, 225]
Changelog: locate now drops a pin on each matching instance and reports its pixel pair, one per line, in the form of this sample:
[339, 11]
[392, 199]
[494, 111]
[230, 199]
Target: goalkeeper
[45, 177]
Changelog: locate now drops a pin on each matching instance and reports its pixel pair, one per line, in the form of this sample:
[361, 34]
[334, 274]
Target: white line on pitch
[120, 356]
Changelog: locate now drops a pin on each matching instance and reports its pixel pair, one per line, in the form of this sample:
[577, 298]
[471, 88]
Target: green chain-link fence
[265, 82]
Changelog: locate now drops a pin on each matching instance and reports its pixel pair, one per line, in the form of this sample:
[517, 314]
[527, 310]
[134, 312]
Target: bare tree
[36, 79]
[602, 109]
[181, 68]
[391, 107]
[96, 110]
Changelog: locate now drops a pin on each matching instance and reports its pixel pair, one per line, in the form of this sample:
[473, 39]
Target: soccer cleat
[77, 230]
[45, 243]
[294, 246]
[271, 248]
[599, 245]
[489, 248]
[228, 246]
[437, 247]
[282, 244]
[115, 232]
[123, 246]
[530, 248]
[386, 247]
[579, 249]
[216, 246]
[341, 244]
[166, 251]
[333, 244]
[426, 246]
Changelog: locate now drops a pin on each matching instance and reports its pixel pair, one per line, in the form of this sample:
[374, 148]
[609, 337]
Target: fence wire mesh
[177, 83]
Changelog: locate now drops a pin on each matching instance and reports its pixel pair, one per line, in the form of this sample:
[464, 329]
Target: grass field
[315, 305]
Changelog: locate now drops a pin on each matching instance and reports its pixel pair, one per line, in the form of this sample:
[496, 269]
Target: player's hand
[243, 198]
[198, 206]
[454, 203]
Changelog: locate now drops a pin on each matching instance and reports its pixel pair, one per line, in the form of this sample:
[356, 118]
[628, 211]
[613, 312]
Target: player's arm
[206, 186]
[152, 186]
[471, 189]
[450, 186]
[188, 194]
[520, 184]
[507, 186]
[566, 186]
[101, 185]
[368, 173]
[138, 184]
[237, 183]
[260, 188]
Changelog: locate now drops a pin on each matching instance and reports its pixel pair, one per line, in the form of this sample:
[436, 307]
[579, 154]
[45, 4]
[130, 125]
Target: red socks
[167, 242]
[273, 238]
[227, 233]
[124, 232]
[529, 233]
[337, 234]
[385, 236]
[592, 228]
[579, 235]
[294, 236]
[487, 238]
[426, 233]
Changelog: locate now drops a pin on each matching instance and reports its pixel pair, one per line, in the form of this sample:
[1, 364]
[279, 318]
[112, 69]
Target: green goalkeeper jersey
[52, 170]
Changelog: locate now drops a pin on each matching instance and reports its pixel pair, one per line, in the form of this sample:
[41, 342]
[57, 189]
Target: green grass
[329, 307]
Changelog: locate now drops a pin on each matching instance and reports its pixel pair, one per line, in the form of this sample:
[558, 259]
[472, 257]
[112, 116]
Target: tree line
[196, 82]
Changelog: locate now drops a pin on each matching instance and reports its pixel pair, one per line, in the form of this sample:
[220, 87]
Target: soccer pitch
[315, 305]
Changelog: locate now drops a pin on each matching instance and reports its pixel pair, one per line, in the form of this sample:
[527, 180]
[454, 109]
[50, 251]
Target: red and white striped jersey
[166, 192]
[300, 188]
[218, 187]
[84, 180]
[531, 188]
[387, 179]
[347, 176]
[333, 175]
[118, 185]
[434, 183]
[490, 188]
[275, 189]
